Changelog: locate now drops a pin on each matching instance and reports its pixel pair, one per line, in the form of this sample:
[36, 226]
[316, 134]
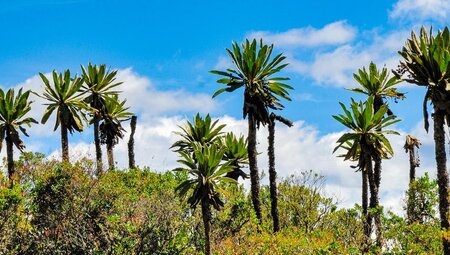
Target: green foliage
[99, 83]
[254, 69]
[422, 198]
[13, 109]
[377, 83]
[426, 61]
[206, 174]
[111, 129]
[64, 96]
[367, 130]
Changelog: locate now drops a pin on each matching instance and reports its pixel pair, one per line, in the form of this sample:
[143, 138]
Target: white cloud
[298, 149]
[144, 98]
[421, 10]
[331, 34]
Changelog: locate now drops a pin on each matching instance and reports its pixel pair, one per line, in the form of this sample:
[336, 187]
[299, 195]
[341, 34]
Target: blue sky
[164, 50]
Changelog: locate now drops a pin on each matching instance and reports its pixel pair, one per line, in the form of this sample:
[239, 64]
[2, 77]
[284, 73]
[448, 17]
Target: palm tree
[111, 129]
[253, 70]
[378, 84]
[425, 60]
[411, 146]
[207, 171]
[64, 97]
[13, 109]
[131, 161]
[366, 141]
[201, 130]
[272, 171]
[99, 84]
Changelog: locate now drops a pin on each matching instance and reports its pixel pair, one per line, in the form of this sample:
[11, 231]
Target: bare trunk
[376, 202]
[206, 215]
[64, 142]
[273, 177]
[10, 158]
[131, 161]
[253, 165]
[442, 174]
[98, 148]
[110, 152]
[412, 179]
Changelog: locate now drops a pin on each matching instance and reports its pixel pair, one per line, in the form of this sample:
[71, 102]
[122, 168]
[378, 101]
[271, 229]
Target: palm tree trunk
[442, 175]
[412, 179]
[273, 176]
[110, 152]
[206, 215]
[98, 148]
[10, 157]
[64, 142]
[131, 161]
[376, 201]
[253, 165]
[366, 184]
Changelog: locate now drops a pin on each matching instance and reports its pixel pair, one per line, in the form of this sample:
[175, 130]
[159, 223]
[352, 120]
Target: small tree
[13, 111]
[111, 129]
[207, 171]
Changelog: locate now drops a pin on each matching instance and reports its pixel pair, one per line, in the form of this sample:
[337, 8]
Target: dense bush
[64, 209]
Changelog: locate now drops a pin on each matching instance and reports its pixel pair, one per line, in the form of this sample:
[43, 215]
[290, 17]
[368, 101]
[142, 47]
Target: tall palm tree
[111, 129]
[272, 171]
[207, 171]
[99, 84]
[13, 109]
[425, 61]
[366, 140]
[378, 84]
[64, 96]
[411, 146]
[253, 70]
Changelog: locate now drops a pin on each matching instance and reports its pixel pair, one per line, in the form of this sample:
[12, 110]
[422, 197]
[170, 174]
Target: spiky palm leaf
[13, 109]
[207, 171]
[367, 131]
[99, 84]
[64, 96]
[426, 60]
[378, 84]
[235, 152]
[254, 69]
[115, 113]
[202, 131]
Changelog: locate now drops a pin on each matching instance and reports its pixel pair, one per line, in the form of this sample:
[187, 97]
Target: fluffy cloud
[331, 34]
[421, 10]
[298, 149]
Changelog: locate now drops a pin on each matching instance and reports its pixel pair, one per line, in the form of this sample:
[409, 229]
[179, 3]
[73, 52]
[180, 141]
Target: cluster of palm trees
[75, 102]
[211, 158]
[425, 62]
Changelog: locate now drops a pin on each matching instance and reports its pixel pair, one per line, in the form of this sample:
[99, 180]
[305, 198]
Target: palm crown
[202, 131]
[426, 60]
[13, 109]
[111, 129]
[207, 171]
[367, 131]
[253, 70]
[99, 83]
[378, 84]
[64, 97]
